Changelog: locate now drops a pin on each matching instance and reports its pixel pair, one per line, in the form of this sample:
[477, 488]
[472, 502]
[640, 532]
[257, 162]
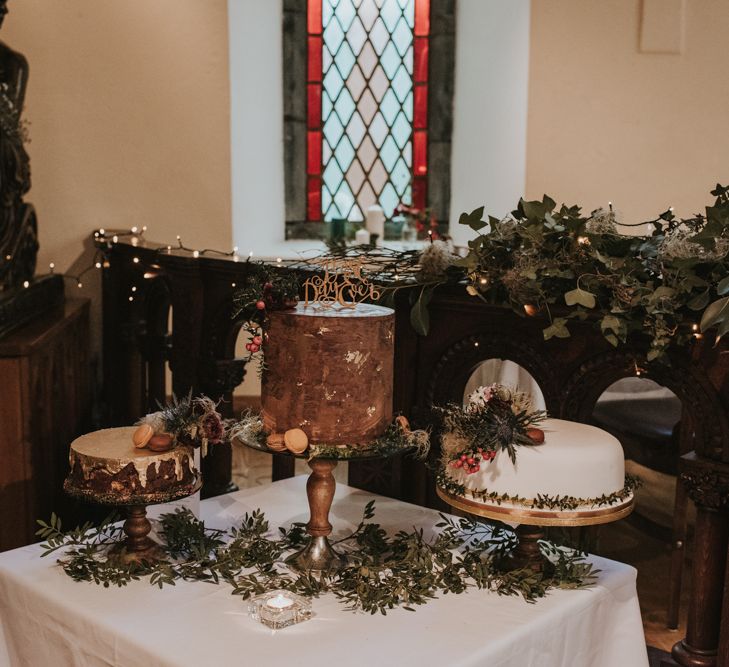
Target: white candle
[280, 601]
[362, 237]
[376, 222]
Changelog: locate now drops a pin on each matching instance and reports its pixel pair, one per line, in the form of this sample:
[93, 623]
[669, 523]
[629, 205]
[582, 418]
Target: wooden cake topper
[342, 284]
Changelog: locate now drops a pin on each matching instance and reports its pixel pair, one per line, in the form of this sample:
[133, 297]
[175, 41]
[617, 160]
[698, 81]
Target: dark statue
[23, 297]
[18, 228]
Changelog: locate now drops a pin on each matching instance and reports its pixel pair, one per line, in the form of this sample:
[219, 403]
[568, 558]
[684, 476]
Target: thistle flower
[435, 260]
[603, 222]
[679, 244]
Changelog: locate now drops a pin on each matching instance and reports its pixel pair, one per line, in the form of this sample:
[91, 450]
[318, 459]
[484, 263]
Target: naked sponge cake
[106, 467]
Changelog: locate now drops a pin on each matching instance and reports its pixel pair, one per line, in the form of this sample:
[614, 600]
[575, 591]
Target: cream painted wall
[609, 123]
[129, 110]
[488, 162]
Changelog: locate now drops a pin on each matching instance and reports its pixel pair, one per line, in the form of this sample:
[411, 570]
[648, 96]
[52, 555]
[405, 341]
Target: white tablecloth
[48, 620]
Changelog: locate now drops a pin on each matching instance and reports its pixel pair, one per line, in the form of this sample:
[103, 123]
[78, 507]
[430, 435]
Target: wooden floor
[620, 541]
[623, 542]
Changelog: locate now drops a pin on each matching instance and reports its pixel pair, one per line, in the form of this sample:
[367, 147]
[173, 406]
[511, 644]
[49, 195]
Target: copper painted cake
[329, 373]
[106, 467]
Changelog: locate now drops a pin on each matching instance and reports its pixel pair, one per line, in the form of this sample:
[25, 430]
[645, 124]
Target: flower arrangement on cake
[579, 467]
[193, 422]
[265, 290]
[496, 417]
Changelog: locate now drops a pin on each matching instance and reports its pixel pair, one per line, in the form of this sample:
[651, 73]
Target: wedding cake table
[48, 619]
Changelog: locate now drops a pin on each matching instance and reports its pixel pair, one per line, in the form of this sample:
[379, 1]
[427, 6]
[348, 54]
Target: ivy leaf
[700, 301]
[612, 339]
[557, 329]
[581, 297]
[469, 262]
[716, 313]
[663, 292]
[723, 287]
[473, 219]
[419, 315]
[611, 325]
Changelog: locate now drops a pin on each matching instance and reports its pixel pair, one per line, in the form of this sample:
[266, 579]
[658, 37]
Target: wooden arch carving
[454, 368]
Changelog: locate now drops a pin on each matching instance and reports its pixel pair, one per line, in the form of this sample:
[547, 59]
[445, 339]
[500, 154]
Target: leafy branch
[382, 572]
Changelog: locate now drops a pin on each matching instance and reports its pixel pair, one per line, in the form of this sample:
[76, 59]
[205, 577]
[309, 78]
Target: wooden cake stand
[318, 556]
[137, 547]
[532, 522]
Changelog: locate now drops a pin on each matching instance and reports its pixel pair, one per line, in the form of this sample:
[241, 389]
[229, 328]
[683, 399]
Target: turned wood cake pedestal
[138, 546]
[318, 555]
[532, 522]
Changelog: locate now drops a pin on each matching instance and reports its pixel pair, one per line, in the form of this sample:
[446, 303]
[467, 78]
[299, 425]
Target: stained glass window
[367, 105]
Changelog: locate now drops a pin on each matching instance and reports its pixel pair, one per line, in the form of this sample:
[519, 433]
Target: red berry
[248, 347]
[470, 461]
[257, 340]
[260, 305]
[476, 468]
[254, 347]
[268, 287]
[463, 457]
[458, 464]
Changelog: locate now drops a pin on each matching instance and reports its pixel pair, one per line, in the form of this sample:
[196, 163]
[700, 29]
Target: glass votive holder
[279, 608]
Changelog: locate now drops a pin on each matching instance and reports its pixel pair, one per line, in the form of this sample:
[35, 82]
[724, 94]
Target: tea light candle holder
[279, 609]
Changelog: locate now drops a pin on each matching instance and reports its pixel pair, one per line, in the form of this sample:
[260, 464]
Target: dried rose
[212, 428]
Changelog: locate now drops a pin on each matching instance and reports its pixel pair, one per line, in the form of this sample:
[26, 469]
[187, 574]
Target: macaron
[296, 440]
[142, 435]
[276, 443]
[160, 442]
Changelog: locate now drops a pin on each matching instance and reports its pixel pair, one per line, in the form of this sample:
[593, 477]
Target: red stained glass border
[420, 189]
[420, 61]
[313, 106]
[313, 110]
[313, 198]
[313, 17]
[420, 153]
[313, 150]
[422, 18]
[313, 63]
[420, 107]
[421, 41]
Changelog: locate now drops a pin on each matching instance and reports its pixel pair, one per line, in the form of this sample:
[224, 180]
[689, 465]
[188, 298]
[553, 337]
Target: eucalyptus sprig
[382, 571]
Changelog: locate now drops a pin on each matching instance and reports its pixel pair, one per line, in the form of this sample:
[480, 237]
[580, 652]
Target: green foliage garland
[382, 572]
[660, 285]
[541, 501]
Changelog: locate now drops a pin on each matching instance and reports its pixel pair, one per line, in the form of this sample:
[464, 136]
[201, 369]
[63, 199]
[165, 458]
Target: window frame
[441, 67]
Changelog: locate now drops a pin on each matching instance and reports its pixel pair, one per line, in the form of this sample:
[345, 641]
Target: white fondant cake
[575, 460]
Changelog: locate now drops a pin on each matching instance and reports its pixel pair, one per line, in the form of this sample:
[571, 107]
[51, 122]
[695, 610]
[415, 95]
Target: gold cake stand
[533, 521]
[318, 556]
[137, 547]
